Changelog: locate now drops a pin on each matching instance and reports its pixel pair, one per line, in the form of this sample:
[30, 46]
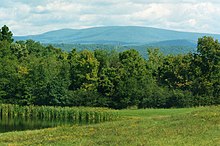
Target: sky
[29, 17]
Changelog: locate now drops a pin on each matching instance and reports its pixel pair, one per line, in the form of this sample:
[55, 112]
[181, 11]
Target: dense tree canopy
[31, 73]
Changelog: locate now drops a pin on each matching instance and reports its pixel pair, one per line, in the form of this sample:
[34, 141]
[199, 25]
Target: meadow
[187, 126]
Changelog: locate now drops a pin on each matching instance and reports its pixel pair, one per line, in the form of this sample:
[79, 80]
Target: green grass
[146, 113]
[177, 127]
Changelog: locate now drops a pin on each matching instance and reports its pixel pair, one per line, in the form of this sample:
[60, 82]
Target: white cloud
[30, 16]
[152, 11]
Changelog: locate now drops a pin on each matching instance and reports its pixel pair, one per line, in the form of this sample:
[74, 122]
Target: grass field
[190, 126]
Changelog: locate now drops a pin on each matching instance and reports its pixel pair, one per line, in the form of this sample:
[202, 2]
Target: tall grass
[49, 113]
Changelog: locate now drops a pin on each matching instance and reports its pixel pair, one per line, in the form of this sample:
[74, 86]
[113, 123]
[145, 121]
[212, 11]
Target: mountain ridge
[122, 35]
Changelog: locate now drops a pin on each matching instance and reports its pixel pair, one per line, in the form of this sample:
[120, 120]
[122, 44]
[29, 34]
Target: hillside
[118, 35]
[164, 47]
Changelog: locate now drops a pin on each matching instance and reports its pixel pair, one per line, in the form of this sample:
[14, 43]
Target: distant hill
[188, 43]
[121, 38]
[142, 49]
[119, 35]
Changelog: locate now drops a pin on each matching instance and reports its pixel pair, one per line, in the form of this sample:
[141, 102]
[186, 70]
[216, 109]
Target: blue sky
[26, 17]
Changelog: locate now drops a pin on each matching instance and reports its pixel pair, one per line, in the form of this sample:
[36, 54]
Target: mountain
[119, 35]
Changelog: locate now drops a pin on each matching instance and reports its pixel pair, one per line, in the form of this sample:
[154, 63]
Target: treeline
[33, 74]
[166, 49]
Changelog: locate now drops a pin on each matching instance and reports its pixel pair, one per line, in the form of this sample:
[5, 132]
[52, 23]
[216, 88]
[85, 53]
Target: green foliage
[132, 64]
[106, 59]
[108, 81]
[155, 97]
[84, 71]
[209, 66]
[154, 62]
[19, 50]
[86, 98]
[31, 73]
[133, 78]
[5, 34]
[5, 50]
[129, 93]
[176, 72]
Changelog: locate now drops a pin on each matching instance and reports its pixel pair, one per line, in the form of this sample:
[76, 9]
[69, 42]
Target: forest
[34, 74]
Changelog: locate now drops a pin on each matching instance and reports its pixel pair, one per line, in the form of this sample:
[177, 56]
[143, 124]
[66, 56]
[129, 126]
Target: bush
[203, 100]
[179, 99]
[86, 98]
[155, 97]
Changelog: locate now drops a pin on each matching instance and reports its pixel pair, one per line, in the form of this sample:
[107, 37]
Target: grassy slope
[193, 126]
